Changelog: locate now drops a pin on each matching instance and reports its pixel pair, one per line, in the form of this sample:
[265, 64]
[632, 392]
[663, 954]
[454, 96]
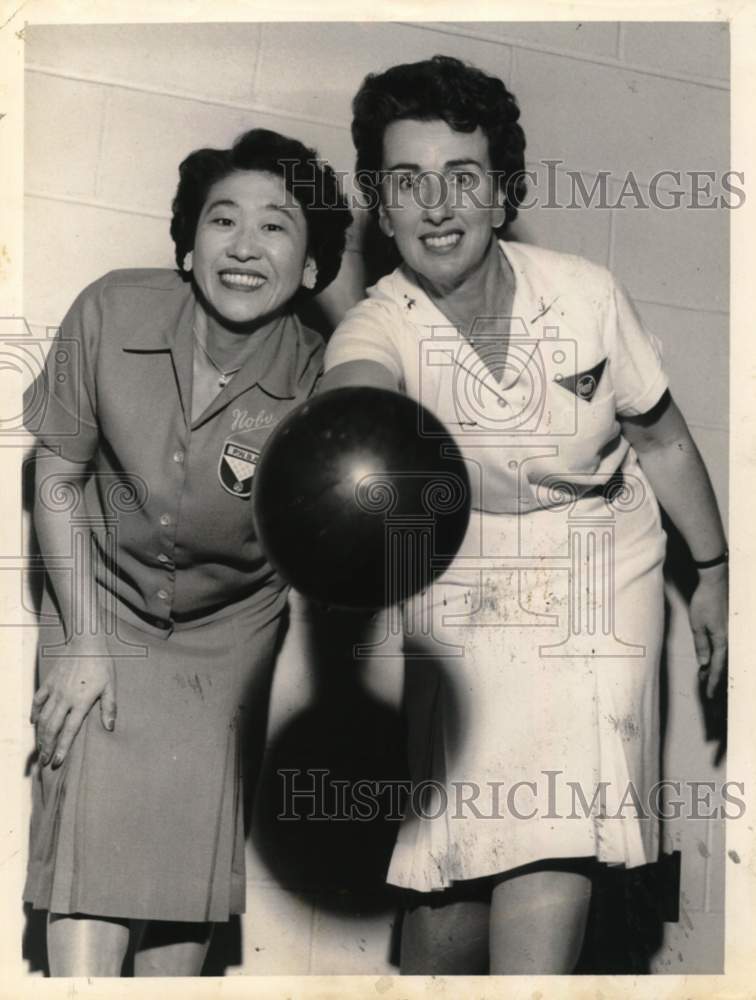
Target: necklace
[225, 377]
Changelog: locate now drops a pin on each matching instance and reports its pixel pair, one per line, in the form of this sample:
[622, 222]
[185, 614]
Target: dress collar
[418, 307]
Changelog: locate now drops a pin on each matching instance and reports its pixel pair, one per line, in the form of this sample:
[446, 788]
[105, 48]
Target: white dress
[531, 665]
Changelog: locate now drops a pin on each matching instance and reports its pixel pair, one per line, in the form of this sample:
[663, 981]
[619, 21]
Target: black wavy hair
[440, 88]
[308, 178]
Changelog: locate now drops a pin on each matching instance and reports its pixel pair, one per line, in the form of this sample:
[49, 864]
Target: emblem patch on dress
[236, 469]
[583, 384]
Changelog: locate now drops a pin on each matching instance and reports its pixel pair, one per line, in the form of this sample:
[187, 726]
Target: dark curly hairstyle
[310, 180]
[440, 88]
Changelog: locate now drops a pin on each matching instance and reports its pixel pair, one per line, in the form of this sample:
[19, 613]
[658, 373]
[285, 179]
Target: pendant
[223, 381]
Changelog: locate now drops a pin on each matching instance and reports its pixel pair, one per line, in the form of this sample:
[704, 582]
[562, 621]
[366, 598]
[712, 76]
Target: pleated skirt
[146, 822]
[531, 695]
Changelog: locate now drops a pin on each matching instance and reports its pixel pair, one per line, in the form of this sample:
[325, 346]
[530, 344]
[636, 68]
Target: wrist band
[708, 563]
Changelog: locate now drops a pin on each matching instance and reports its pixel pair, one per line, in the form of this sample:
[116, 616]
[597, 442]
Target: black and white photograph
[377, 433]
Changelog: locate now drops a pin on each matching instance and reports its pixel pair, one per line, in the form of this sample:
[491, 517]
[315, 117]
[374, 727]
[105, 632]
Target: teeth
[442, 241]
[242, 280]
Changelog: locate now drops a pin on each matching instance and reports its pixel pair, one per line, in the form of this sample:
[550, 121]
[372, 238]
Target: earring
[385, 225]
[310, 274]
[187, 262]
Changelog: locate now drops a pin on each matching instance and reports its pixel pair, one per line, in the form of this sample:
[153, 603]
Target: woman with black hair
[531, 684]
[159, 393]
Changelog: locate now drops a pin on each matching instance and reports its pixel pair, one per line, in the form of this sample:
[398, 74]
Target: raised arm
[674, 467]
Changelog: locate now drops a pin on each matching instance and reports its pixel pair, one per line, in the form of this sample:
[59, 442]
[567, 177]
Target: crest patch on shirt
[583, 384]
[236, 468]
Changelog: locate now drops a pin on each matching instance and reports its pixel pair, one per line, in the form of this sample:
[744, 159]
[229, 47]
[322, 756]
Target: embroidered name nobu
[242, 421]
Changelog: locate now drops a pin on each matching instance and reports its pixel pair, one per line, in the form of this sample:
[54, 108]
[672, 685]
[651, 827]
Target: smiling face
[440, 201]
[250, 248]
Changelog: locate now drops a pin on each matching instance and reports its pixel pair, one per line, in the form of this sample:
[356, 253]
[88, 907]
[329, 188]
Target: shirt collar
[157, 327]
[418, 307]
[276, 365]
[276, 362]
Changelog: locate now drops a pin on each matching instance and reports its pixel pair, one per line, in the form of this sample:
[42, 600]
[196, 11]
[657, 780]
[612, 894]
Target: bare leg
[445, 940]
[172, 949]
[538, 922]
[79, 945]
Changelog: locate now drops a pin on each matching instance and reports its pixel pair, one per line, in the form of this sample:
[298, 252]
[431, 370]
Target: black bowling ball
[361, 498]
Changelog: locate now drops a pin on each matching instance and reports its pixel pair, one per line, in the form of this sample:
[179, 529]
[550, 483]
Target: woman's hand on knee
[65, 698]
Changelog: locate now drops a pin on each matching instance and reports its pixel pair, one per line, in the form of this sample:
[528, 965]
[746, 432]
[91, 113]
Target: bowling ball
[361, 498]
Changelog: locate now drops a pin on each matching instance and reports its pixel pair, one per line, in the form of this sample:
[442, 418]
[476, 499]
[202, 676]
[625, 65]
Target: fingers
[58, 721]
[703, 647]
[49, 726]
[717, 665]
[70, 728]
[108, 708]
[38, 701]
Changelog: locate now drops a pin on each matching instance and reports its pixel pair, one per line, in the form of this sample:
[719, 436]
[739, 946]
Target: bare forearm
[681, 483]
[670, 459]
[674, 467]
[67, 561]
[358, 373]
[84, 673]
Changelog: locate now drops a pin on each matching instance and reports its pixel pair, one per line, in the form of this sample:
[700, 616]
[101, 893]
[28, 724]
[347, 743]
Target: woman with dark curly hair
[159, 393]
[531, 680]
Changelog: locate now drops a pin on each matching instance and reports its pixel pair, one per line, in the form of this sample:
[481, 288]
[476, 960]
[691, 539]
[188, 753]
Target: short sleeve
[59, 406]
[634, 355]
[366, 334]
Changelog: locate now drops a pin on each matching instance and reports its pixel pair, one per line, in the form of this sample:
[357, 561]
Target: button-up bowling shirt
[169, 496]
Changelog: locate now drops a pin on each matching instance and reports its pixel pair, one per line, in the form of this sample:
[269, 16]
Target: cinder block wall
[110, 112]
